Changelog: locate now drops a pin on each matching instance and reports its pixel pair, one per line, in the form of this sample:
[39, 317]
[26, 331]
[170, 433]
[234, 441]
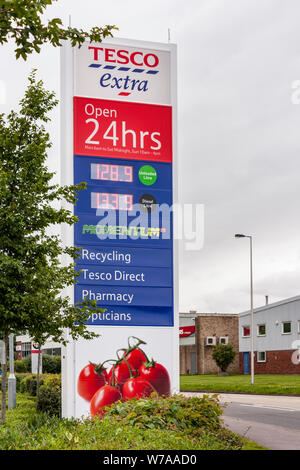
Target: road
[271, 421]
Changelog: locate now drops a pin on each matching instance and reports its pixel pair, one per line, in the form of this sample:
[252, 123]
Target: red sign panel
[138, 131]
[185, 331]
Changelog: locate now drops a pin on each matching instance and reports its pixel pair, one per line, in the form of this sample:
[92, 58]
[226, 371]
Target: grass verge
[264, 384]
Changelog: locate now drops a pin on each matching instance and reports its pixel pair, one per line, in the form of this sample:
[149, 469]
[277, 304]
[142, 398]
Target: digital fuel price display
[134, 187]
[106, 172]
[118, 202]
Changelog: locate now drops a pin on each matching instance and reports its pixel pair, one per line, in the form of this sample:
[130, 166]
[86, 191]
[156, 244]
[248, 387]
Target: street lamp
[240, 235]
[11, 382]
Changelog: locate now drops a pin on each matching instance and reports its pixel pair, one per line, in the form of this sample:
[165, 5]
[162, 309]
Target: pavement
[271, 421]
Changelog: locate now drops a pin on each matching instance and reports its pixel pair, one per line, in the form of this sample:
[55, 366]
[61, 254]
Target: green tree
[32, 277]
[223, 355]
[20, 21]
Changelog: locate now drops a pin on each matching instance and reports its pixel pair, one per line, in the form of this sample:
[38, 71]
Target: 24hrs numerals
[118, 134]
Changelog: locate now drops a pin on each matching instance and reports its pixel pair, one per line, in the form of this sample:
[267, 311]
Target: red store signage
[185, 331]
[123, 130]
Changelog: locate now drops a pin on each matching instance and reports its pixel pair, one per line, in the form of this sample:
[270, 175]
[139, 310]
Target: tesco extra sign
[124, 57]
[113, 71]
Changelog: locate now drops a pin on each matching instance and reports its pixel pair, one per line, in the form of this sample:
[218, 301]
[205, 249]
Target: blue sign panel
[125, 235]
[124, 276]
[138, 316]
[124, 256]
[111, 295]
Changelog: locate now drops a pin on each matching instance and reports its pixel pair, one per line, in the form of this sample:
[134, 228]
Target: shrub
[51, 364]
[52, 381]
[49, 399]
[19, 377]
[27, 361]
[20, 366]
[28, 384]
[223, 355]
[176, 412]
[58, 364]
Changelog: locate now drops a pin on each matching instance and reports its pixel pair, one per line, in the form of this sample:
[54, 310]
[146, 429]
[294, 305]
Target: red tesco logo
[124, 57]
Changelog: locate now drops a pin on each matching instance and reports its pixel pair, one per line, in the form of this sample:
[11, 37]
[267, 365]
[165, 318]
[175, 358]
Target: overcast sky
[238, 133]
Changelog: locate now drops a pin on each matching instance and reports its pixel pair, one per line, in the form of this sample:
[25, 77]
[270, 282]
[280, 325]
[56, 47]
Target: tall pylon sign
[118, 133]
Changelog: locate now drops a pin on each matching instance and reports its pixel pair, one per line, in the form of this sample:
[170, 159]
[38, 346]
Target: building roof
[268, 306]
[196, 314]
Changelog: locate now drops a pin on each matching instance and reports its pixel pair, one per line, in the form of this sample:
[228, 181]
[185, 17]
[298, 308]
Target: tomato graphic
[135, 358]
[119, 373]
[157, 375]
[137, 387]
[90, 379]
[105, 396]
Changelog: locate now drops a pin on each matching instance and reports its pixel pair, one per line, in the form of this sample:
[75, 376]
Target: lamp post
[11, 382]
[240, 235]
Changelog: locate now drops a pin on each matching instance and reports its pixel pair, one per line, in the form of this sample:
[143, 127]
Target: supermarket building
[199, 333]
[276, 338]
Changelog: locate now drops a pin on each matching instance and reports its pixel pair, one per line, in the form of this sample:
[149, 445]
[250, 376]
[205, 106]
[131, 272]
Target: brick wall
[241, 365]
[185, 358]
[215, 325]
[277, 362]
